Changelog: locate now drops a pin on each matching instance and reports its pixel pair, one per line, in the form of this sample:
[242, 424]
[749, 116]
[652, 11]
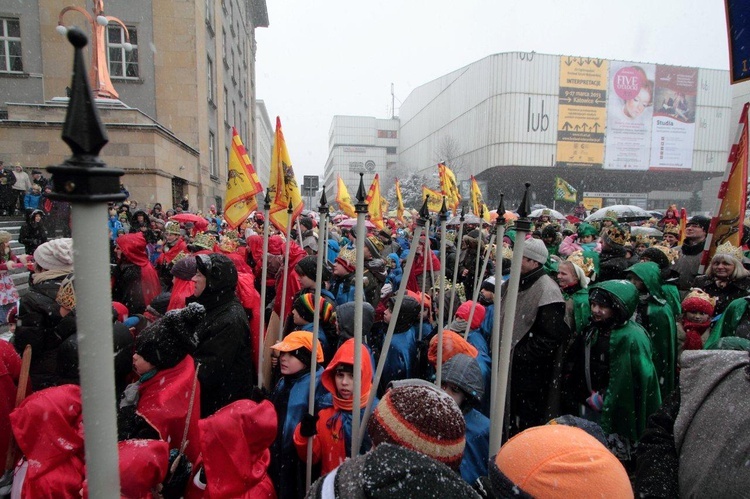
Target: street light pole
[86, 182]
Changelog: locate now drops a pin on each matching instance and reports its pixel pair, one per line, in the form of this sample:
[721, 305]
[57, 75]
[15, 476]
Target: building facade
[263, 143]
[604, 126]
[185, 79]
[360, 144]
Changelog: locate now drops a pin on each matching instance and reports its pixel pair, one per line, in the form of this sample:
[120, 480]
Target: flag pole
[423, 217]
[443, 217]
[477, 288]
[477, 277]
[522, 226]
[323, 209]
[456, 261]
[282, 316]
[495, 339]
[263, 277]
[361, 210]
[425, 256]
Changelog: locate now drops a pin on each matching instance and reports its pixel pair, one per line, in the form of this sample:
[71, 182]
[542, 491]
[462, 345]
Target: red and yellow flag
[435, 202]
[727, 222]
[449, 187]
[343, 199]
[683, 224]
[284, 187]
[477, 201]
[375, 203]
[242, 184]
[399, 202]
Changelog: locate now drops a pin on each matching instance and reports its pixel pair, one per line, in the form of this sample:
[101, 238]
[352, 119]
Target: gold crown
[611, 214]
[586, 263]
[204, 240]
[349, 256]
[671, 254]
[66, 295]
[459, 288]
[172, 227]
[617, 235]
[701, 295]
[228, 243]
[507, 252]
[179, 256]
[729, 249]
[644, 239]
[672, 229]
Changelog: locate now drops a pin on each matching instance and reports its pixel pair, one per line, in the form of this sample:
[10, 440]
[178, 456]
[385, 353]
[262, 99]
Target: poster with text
[630, 98]
[582, 111]
[673, 125]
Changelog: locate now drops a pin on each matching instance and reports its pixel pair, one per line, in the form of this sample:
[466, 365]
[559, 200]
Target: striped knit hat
[422, 418]
[305, 307]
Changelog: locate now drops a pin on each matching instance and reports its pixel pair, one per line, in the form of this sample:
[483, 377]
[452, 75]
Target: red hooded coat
[133, 246]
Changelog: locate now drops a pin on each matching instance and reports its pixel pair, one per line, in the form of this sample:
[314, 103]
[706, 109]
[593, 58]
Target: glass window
[10, 46]
[122, 64]
[226, 106]
[211, 154]
[224, 44]
[210, 78]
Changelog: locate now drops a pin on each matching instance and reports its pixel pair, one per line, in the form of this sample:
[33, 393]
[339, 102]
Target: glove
[386, 290]
[595, 401]
[308, 425]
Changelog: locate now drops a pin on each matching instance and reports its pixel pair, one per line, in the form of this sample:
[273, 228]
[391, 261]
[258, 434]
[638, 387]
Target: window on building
[10, 46]
[387, 134]
[390, 150]
[226, 106]
[224, 44]
[210, 13]
[226, 159]
[212, 154]
[122, 63]
[210, 79]
[231, 62]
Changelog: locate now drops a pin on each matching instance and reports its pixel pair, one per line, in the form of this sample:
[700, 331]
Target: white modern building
[263, 142]
[603, 126]
[360, 144]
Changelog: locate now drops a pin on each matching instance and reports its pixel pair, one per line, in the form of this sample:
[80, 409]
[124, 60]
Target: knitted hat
[489, 284]
[701, 221]
[308, 267]
[465, 309]
[305, 307]
[557, 461]
[698, 300]
[374, 245]
[296, 340]
[55, 255]
[421, 418]
[184, 269]
[306, 222]
[463, 371]
[453, 344]
[166, 342]
[534, 249]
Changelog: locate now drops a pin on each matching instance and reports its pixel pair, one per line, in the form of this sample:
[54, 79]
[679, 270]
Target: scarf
[693, 332]
[48, 275]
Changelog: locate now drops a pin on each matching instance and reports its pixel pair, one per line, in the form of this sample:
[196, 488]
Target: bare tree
[452, 154]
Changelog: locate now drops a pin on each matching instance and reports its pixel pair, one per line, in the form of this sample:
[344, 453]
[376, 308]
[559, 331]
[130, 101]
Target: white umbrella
[625, 213]
[552, 213]
[469, 219]
[646, 231]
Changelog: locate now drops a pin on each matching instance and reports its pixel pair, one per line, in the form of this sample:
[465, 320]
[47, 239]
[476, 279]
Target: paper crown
[449, 287]
[644, 239]
[172, 227]
[672, 229]
[66, 295]
[617, 236]
[229, 242]
[698, 300]
[507, 252]
[611, 215]
[179, 256]
[671, 254]
[348, 256]
[585, 263]
[728, 249]
[204, 240]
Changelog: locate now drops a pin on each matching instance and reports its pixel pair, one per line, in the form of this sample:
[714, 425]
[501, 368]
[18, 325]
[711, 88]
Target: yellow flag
[435, 203]
[283, 186]
[343, 199]
[242, 184]
[449, 187]
[477, 202]
[374, 203]
[399, 202]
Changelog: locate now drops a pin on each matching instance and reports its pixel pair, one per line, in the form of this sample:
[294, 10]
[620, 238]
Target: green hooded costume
[632, 394]
[579, 300]
[727, 323]
[660, 325]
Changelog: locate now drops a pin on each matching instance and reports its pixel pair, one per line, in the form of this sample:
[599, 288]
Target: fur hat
[55, 255]
[306, 222]
[422, 418]
[166, 342]
[308, 266]
[557, 461]
[534, 249]
[698, 300]
[463, 371]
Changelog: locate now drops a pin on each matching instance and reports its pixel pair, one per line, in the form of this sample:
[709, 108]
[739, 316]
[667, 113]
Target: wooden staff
[359, 292]
[475, 293]
[441, 306]
[263, 278]
[425, 256]
[282, 315]
[456, 261]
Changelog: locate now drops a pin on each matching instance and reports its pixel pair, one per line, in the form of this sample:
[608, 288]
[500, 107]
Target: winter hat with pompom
[167, 341]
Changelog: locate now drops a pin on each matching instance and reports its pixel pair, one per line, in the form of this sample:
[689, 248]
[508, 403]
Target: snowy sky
[325, 57]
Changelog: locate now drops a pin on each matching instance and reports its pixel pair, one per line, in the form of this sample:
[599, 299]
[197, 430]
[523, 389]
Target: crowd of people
[624, 355]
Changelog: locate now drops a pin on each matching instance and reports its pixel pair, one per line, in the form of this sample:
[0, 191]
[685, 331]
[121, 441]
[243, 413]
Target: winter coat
[290, 400]
[687, 264]
[570, 245]
[235, 451]
[135, 225]
[477, 450]
[396, 273]
[484, 360]
[401, 356]
[612, 263]
[32, 201]
[728, 323]
[227, 370]
[114, 225]
[736, 288]
[10, 370]
[681, 453]
[38, 316]
[32, 234]
[48, 427]
[657, 318]
[342, 288]
[333, 442]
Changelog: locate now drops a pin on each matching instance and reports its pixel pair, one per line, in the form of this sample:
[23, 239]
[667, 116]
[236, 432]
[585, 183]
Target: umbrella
[646, 231]
[200, 223]
[572, 219]
[394, 214]
[509, 215]
[352, 222]
[469, 219]
[625, 213]
[552, 213]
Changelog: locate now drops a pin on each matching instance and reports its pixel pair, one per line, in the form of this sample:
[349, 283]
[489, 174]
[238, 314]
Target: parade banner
[343, 199]
[242, 184]
[449, 187]
[564, 191]
[630, 97]
[399, 202]
[673, 124]
[375, 203]
[435, 202]
[284, 187]
[582, 111]
[477, 201]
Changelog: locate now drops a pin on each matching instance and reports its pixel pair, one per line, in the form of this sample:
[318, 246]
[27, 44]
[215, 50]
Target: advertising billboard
[673, 125]
[582, 111]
